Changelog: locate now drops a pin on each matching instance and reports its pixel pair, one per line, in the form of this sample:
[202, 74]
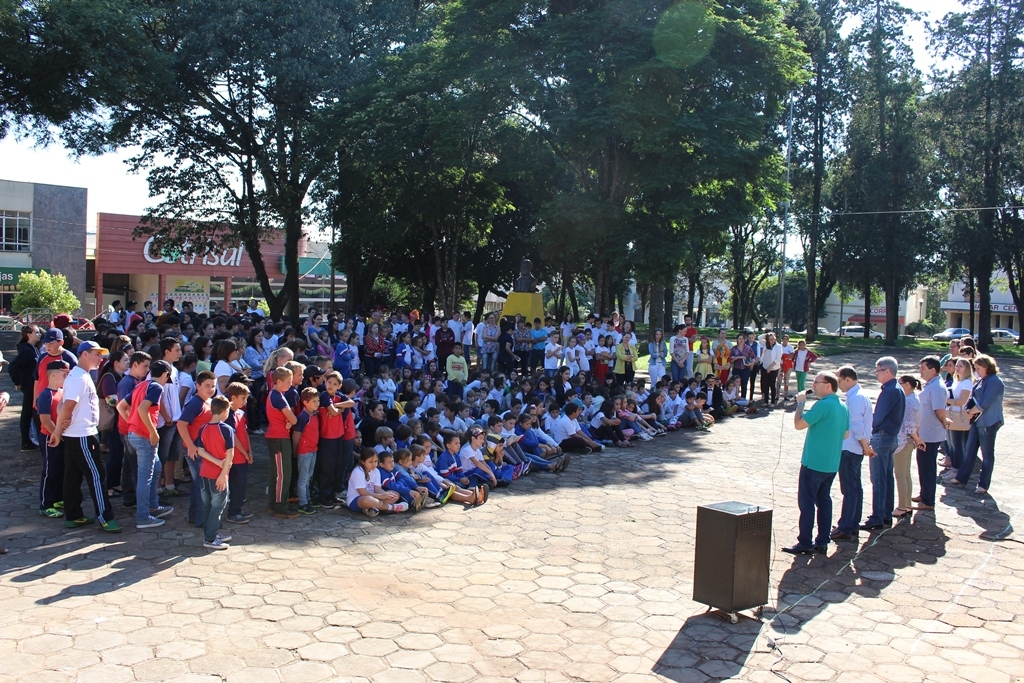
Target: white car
[857, 331]
[1004, 335]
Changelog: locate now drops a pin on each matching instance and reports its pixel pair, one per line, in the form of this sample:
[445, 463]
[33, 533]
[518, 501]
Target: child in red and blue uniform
[238, 476]
[280, 420]
[337, 432]
[392, 479]
[194, 416]
[305, 439]
[216, 446]
[51, 483]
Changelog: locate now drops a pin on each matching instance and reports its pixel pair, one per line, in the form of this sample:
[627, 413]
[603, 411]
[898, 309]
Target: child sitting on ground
[447, 465]
[392, 479]
[365, 491]
[431, 490]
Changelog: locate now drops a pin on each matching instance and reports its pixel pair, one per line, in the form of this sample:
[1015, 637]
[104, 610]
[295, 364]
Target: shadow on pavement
[709, 643]
[813, 582]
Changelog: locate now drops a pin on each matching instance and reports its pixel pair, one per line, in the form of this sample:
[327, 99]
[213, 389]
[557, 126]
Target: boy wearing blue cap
[77, 426]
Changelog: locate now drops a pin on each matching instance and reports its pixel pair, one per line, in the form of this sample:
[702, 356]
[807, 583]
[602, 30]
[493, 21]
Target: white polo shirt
[85, 419]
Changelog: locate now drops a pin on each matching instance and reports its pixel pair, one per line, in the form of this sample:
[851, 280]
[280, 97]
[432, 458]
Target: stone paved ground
[580, 577]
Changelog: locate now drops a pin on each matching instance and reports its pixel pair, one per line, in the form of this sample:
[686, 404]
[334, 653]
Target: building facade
[1004, 312]
[42, 227]
[132, 268]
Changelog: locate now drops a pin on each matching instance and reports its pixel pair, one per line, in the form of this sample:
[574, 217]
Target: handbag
[108, 416]
[959, 421]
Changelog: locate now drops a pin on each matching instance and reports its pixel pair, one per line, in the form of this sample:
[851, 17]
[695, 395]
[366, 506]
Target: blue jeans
[214, 502]
[927, 471]
[985, 439]
[883, 481]
[148, 476]
[195, 500]
[956, 441]
[487, 360]
[850, 465]
[307, 461]
[814, 492]
[679, 373]
[238, 481]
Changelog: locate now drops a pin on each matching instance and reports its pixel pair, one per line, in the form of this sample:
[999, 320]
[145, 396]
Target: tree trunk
[656, 310]
[985, 305]
[691, 291]
[892, 310]
[481, 299]
[572, 300]
[670, 301]
[867, 310]
[644, 292]
[698, 317]
[970, 294]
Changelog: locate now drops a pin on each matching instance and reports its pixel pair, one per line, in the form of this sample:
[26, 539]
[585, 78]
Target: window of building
[15, 231]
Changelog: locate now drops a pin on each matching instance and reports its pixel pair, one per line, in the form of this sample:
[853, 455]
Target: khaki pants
[901, 469]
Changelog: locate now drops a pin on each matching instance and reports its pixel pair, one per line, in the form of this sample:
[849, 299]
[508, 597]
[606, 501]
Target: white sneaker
[224, 537]
[431, 503]
[216, 544]
[401, 507]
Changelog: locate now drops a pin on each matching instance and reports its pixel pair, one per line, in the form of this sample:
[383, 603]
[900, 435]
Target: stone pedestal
[530, 305]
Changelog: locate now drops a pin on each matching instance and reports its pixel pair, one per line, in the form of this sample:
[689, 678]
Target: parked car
[823, 332]
[9, 323]
[857, 331]
[1004, 335]
[951, 333]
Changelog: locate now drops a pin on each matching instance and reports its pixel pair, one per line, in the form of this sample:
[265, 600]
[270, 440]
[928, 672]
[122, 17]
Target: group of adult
[955, 404]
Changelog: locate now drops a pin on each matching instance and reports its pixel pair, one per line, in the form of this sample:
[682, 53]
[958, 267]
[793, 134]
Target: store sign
[9, 277]
[118, 250]
[963, 306]
[231, 258]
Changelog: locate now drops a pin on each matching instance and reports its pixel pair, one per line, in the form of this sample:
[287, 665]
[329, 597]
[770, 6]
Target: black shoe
[837, 535]
[25, 447]
[327, 504]
[872, 527]
[129, 504]
[887, 522]
[821, 550]
[798, 550]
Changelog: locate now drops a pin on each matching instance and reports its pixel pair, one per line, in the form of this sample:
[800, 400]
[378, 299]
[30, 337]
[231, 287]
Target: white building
[838, 313]
[1004, 312]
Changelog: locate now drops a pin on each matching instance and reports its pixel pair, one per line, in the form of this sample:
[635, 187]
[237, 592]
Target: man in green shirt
[827, 423]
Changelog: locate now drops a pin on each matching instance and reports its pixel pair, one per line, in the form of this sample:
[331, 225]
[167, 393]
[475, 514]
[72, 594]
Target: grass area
[828, 346]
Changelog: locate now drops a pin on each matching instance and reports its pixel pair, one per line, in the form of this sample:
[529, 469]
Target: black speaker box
[733, 554]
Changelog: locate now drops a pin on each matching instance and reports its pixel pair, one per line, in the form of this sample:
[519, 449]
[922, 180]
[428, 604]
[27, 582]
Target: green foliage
[42, 290]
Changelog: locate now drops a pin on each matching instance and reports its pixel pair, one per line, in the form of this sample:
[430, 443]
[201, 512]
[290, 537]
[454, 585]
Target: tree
[229, 104]
[820, 110]
[42, 290]
[980, 134]
[753, 255]
[885, 176]
[655, 112]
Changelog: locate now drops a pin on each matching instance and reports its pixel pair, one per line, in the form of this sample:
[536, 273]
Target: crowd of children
[373, 414]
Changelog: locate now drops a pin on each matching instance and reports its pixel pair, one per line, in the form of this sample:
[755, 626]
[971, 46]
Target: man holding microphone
[827, 424]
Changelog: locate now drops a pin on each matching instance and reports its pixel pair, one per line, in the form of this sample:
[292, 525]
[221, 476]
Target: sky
[112, 189]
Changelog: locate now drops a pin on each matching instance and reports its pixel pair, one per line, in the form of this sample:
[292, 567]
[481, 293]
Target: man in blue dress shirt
[885, 426]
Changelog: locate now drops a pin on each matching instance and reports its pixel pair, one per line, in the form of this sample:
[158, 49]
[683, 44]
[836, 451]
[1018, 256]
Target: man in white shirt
[566, 432]
[77, 425]
[856, 445]
[170, 440]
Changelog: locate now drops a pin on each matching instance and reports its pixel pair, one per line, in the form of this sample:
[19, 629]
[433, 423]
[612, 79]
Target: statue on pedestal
[526, 281]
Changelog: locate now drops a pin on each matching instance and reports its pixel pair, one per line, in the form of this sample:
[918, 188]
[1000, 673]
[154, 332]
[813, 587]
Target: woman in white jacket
[771, 363]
